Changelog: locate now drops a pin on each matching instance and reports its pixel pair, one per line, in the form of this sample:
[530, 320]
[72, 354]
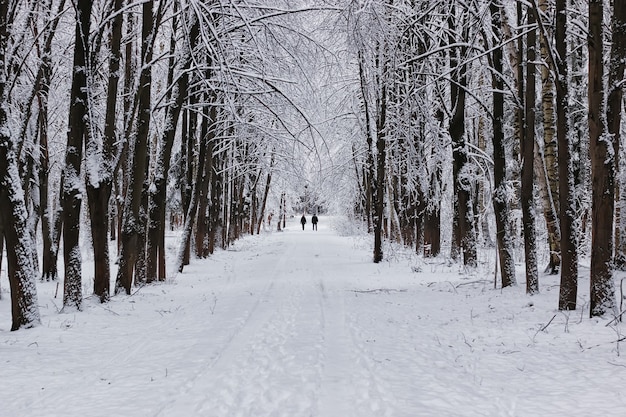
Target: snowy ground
[301, 323]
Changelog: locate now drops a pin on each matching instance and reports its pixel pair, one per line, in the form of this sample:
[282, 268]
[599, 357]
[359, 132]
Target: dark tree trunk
[192, 211]
[99, 188]
[13, 228]
[155, 252]
[500, 205]
[266, 192]
[121, 181]
[131, 228]
[50, 248]
[202, 217]
[527, 148]
[463, 227]
[215, 207]
[13, 215]
[432, 215]
[604, 144]
[77, 131]
[369, 173]
[432, 206]
[190, 140]
[41, 90]
[614, 110]
[569, 237]
[379, 185]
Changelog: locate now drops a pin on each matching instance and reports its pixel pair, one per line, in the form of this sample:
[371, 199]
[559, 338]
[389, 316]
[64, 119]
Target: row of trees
[496, 93]
[201, 110]
[178, 107]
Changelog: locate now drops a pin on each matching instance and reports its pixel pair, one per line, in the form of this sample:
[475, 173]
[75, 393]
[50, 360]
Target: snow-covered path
[301, 323]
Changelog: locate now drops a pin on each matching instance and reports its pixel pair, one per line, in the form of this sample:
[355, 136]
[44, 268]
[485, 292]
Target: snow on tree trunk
[100, 172]
[528, 158]
[464, 238]
[500, 197]
[604, 132]
[569, 235]
[13, 226]
[72, 179]
[13, 216]
[550, 194]
[132, 222]
[155, 250]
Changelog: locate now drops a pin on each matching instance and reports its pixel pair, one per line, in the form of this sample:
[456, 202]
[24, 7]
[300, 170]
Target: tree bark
[13, 214]
[100, 184]
[77, 132]
[191, 215]
[155, 252]
[569, 238]
[379, 185]
[528, 158]
[550, 150]
[131, 228]
[463, 226]
[500, 204]
[266, 192]
[602, 173]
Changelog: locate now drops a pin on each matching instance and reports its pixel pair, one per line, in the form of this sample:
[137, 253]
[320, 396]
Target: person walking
[303, 221]
[314, 221]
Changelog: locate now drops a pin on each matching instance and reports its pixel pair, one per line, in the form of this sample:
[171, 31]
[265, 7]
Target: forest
[446, 126]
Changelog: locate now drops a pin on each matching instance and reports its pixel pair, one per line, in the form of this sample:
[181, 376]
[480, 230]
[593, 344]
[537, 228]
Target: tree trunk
[604, 142]
[551, 198]
[528, 158]
[569, 238]
[155, 251]
[379, 185]
[13, 227]
[265, 194]
[50, 249]
[614, 113]
[202, 217]
[191, 215]
[13, 214]
[500, 204]
[369, 172]
[131, 228]
[100, 183]
[77, 131]
[552, 223]
[463, 228]
[215, 207]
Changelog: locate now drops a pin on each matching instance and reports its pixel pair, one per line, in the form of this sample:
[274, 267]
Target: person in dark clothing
[314, 221]
[303, 221]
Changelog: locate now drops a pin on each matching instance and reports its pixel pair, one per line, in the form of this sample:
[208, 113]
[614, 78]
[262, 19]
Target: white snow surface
[302, 323]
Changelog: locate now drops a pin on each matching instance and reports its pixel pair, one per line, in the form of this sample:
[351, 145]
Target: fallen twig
[615, 318]
[546, 326]
[480, 281]
[378, 290]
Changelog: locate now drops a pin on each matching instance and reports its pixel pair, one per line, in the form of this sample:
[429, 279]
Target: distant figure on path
[303, 221]
[314, 221]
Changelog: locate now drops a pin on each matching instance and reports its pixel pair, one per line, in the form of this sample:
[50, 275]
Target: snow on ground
[302, 323]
